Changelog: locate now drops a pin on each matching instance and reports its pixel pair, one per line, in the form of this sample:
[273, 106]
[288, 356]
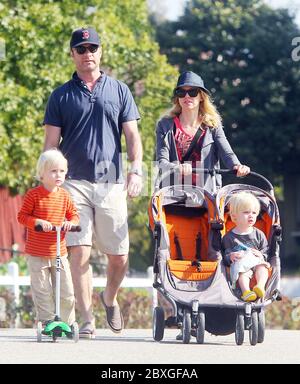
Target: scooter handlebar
[74, 228]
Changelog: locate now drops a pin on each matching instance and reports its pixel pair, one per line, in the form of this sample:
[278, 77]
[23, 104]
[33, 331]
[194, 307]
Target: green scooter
[58, 328]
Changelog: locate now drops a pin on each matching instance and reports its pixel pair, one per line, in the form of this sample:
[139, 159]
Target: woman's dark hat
[191, 79]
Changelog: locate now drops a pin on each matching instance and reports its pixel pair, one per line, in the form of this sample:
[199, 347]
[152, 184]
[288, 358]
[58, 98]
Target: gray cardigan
[215, 147]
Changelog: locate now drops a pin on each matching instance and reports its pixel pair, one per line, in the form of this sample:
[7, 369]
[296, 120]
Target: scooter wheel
[75, 331]
[39, 330]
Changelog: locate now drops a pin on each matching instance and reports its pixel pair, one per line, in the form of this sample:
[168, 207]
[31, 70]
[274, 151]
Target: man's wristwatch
[136, 171]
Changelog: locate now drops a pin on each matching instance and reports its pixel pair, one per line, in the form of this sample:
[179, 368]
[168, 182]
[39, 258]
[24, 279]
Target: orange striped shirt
[55, 207]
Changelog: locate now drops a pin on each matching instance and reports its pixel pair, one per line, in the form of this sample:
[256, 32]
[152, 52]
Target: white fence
[14, 280]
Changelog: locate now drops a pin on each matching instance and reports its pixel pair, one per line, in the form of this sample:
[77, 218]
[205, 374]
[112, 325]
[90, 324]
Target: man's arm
[52, 137]
[135, 155]
[133, 143]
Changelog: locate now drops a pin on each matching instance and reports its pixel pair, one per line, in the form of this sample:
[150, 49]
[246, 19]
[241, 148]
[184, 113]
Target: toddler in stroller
[246, 247]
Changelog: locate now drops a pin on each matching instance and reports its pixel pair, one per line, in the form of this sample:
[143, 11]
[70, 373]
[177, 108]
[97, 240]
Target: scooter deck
[58, 329]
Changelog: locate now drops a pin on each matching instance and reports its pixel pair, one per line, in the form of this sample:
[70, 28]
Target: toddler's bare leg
[244, 282]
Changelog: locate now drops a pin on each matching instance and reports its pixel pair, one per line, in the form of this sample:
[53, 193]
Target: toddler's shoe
[260, 292]
[249, 296]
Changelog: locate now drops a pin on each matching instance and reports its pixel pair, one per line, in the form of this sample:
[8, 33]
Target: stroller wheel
[75, 332]
[186, 326]
[158, 324]
[200, 327]
[253, 331]
[239, 328]
[261, 326]
[39, 332]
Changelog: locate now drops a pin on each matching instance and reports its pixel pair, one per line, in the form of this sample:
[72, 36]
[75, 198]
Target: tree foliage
[242, 48]
[36, 35]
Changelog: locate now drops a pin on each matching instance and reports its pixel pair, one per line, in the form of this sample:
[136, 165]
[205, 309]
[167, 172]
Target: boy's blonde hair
[242, 201]
[48, 159]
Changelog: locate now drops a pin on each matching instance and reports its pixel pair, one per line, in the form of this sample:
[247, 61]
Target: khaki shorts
[103, 212]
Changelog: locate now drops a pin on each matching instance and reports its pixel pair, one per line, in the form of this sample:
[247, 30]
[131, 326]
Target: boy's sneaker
[260, 292]
[87, 331]
[249, 296]
[44, 325]
[46, 322]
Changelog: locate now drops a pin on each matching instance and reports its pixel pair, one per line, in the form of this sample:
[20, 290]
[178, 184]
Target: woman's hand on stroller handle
[241, 170]
[185, 169]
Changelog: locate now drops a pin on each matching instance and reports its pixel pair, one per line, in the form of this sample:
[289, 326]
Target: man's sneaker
[113, 316]
[44, 325]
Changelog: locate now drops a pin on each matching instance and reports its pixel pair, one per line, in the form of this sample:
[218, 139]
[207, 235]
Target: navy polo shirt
[91, 126]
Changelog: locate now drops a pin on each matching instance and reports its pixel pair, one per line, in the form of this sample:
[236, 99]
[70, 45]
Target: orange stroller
[187, 224]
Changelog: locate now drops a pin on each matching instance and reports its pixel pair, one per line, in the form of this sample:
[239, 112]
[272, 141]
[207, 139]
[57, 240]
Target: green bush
[136, 305]
[10, 308]
[284, 314]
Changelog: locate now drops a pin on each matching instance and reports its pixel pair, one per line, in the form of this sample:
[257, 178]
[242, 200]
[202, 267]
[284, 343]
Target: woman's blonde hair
[207, 111]
[48, 159]
[242, 201]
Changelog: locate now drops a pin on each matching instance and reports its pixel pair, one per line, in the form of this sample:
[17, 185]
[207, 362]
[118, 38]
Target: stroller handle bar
[74, 228]
[213, 172]
[234, 172]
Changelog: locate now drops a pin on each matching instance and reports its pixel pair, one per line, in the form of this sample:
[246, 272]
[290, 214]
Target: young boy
[49, 205]
[246, 247]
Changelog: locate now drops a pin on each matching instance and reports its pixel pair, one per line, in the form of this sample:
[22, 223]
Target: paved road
[137, 346]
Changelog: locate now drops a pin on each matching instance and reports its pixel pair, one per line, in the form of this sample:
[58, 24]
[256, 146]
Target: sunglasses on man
[81, 49]
[182, 92]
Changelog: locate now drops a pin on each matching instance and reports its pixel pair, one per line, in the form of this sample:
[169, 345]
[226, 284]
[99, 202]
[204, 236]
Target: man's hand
[134, 184]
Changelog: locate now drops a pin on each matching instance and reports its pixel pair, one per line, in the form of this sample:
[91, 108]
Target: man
[85, 117]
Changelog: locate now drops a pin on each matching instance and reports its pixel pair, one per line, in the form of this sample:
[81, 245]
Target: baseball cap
[84, 35]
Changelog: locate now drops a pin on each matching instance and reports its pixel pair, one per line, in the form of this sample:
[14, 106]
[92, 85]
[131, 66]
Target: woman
[191, 135]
